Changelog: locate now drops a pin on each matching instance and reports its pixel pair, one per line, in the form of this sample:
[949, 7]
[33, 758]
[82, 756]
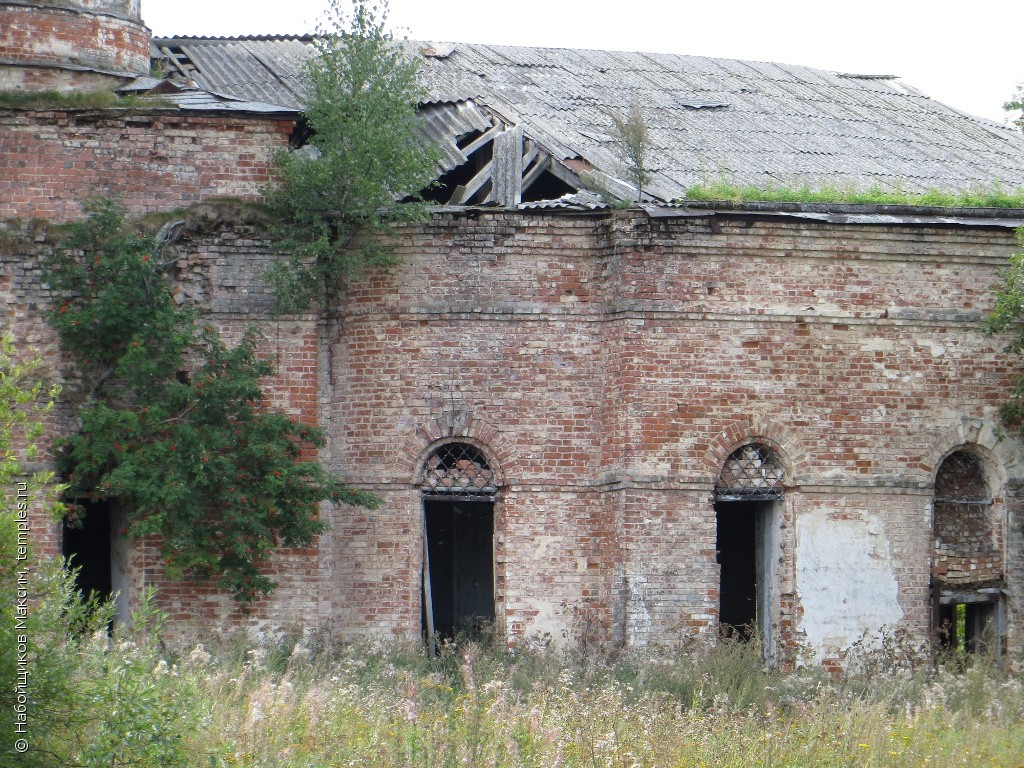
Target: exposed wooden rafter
[516, 164]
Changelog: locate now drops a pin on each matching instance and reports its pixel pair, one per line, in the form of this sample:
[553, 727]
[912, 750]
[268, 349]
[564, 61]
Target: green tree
[633, 146]
[1016, 104]
[173, 422]
[36, 603]
[1006, 315]
[365, 164]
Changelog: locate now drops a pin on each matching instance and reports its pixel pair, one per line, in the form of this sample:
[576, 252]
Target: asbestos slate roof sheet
[756, 123]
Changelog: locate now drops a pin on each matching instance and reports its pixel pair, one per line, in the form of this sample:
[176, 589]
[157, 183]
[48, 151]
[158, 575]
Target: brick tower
[69, 45]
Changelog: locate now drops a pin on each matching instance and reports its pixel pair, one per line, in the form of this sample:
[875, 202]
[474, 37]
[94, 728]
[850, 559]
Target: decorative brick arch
[746, 431]
[456, 426]
[976, 435]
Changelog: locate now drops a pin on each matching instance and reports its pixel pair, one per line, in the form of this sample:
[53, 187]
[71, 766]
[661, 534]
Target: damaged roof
[748, 123]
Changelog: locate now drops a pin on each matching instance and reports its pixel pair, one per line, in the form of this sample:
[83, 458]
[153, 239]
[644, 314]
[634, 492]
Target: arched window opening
[459, 489]
[748, 514]
[967, 564]
[751, 473]
[458, 469]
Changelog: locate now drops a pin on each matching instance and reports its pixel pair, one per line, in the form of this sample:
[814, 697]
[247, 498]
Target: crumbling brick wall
[620, 362]
[66, 44]
[153, 161]
[607, 365]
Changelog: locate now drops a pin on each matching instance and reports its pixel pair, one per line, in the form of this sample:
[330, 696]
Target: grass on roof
[45, 100]
[979, 197]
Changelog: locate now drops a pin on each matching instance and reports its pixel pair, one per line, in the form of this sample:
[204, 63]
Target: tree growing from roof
[1016, 104]
[633, 146]
[174, 424]
[365, 164]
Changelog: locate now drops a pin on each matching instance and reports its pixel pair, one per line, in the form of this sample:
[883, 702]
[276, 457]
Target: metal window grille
[458, 469]
[751, 473]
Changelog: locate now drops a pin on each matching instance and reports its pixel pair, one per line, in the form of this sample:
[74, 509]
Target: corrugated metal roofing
[761, 123]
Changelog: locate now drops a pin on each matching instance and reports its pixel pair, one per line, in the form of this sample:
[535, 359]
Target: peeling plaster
[638, 616]
[845, 582]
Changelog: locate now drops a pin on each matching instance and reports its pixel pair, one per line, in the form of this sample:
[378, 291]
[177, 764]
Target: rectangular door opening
[460, 566]
[99, 555]
[971, 623]
[747, 547]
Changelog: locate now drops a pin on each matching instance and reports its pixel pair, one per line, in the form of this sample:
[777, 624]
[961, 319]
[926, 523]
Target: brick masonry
[68, 44]
[607, 365]
[51, 162]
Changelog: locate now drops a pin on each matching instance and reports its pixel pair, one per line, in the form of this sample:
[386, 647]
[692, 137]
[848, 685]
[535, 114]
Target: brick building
[606, 426]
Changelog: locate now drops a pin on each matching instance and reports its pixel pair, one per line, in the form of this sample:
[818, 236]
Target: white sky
[964, 54]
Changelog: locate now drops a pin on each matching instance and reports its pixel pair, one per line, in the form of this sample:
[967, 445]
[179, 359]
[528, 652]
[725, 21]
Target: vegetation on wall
[364, 165]
[173, 421]
[72, 100]
[1006, 316]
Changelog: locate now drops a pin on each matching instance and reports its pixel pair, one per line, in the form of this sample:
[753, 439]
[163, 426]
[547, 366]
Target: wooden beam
[535, 172]
[464, 192]
[507, 172]
[482, 139]
[428, 596]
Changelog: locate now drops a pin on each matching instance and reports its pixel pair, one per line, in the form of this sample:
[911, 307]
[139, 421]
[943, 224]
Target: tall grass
[314, 703]
[480, 706]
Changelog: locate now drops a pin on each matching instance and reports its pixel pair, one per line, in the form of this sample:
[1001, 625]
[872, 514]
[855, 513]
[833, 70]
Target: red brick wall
[620, 362]
[607, 366]
[51, 36]
[50, 162]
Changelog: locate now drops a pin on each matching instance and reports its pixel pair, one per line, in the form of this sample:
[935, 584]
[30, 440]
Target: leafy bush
[173, 423]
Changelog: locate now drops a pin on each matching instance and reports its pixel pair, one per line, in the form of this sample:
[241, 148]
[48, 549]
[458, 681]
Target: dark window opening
[301, 134]
[459, 488]
[736, 555]
[87, 544]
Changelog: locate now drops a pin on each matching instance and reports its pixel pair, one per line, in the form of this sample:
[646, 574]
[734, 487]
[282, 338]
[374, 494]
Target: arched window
[751, 473]
[963, 505]
[459, 493]
[458, 469]
[967, 565]
[748, 520]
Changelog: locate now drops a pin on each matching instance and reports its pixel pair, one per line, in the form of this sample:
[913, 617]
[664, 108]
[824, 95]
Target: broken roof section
[523, 124]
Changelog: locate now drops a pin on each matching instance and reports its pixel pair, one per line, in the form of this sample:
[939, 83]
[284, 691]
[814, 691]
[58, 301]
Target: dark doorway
[87, 544]
[969, 627]
[746, 544]
[736, 548]
[460, 549]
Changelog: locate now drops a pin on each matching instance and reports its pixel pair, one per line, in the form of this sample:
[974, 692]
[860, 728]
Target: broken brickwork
[51, 162]
[71, 44]
[605, 366]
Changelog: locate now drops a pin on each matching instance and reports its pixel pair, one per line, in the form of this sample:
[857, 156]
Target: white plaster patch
[638, 628]
[845, 582]
[878, 345]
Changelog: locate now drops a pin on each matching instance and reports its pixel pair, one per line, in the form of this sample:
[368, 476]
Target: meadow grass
[477, 705]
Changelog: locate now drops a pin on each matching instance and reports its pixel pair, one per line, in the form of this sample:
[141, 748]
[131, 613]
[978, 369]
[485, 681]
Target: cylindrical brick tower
[71, 44]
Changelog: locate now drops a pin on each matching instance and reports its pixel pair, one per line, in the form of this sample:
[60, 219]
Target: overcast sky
[964, 54]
